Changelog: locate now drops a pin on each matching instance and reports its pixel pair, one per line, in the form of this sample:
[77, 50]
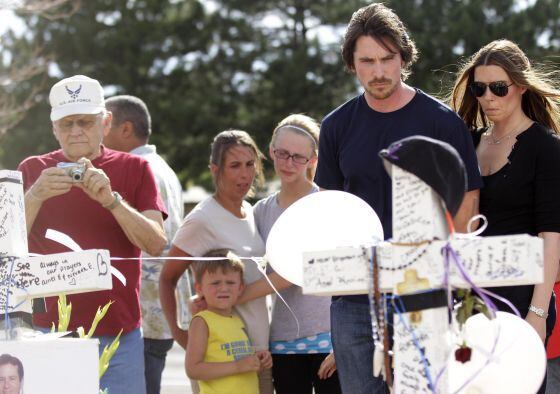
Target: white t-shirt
[154, 325]
[210, 226]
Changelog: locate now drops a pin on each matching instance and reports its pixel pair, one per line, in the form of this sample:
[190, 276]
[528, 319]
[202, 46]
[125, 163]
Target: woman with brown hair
[514, 114]
[224, 221]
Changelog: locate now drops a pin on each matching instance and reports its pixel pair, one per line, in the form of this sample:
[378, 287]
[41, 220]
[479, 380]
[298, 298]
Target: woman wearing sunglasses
[301, 356]
[514, 113]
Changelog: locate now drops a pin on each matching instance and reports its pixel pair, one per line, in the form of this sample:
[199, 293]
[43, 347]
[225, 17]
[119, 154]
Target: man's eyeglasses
[498, 88]
[285, 155]
[84, 123]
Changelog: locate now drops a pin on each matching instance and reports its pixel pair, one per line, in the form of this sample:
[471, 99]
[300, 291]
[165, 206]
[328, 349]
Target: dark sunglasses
[498, 88]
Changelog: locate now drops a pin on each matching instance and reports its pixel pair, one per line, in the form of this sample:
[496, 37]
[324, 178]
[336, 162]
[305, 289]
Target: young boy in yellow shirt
[219, 354]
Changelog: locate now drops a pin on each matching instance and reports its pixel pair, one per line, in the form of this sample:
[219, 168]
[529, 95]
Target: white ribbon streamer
[65, 240]
[118, 274]
[477, 232]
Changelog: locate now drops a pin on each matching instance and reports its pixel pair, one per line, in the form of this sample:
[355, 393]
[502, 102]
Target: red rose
[463, 354]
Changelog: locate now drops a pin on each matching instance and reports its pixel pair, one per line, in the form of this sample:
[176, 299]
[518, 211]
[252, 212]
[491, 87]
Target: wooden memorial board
[419, 236]
[50, 275]
[430, 335]
[13, 230]
[51, 365]
[490, 261]
[13, 237]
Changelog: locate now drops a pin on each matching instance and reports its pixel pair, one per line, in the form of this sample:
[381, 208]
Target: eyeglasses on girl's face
[283, 154]
[498, 88]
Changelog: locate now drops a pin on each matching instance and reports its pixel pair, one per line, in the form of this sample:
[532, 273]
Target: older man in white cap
[103, 199]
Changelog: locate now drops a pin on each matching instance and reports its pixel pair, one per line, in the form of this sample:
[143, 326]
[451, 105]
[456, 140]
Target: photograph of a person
[11, 375]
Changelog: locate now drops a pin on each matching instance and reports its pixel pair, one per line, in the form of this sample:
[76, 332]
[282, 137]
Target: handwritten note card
[9, 282]
[417, 211]
[490, 261]
[430, 340]
[69, 273]
[340, 271]
[13, 230]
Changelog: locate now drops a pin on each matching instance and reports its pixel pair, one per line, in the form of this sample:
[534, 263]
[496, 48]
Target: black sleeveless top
[523, 197]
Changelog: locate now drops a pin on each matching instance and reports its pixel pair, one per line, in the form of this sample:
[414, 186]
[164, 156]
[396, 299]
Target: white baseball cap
[77, 95]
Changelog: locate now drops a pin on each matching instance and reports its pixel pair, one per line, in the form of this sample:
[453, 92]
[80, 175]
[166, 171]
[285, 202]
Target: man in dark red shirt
[115, 206]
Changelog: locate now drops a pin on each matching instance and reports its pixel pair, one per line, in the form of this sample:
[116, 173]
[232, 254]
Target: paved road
[174, 379]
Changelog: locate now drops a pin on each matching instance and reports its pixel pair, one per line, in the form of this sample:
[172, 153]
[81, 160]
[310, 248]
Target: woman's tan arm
[261, 288]
[170, 273]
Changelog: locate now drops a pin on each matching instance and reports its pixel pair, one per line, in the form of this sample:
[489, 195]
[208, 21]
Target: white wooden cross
[22, 277]
[418, 216]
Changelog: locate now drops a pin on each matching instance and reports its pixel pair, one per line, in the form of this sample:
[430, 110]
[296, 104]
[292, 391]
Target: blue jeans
[125, 374]
[155, 352]
[352, 340]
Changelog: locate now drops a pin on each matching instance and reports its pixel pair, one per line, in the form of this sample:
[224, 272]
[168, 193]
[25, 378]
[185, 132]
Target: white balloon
[516, 366]
[319, 221]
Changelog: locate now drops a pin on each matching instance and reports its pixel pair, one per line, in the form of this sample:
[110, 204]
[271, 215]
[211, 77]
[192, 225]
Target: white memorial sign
[23, 278]
[13, 231]
[413, 262]
[410, 366]
[51, 365]
[490, 261]
[68, 273]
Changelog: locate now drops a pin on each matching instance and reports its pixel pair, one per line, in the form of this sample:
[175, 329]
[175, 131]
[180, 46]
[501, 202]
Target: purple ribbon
[482, 293]
[392, 149]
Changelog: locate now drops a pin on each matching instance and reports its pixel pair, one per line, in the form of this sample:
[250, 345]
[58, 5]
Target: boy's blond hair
[230, 263]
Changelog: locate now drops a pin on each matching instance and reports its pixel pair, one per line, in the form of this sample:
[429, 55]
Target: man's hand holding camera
[51, 183]
[58, 180]
[95, 183]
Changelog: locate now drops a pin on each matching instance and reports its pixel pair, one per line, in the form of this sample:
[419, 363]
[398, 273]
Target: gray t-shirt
[312, 312]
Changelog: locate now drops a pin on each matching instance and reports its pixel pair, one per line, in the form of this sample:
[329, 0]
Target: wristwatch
[116, 201]
[538, 311]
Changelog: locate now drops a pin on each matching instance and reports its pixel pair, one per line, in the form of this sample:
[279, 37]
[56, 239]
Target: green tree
[23, 68]
[206, 66]
[447, 31]
[299, 68]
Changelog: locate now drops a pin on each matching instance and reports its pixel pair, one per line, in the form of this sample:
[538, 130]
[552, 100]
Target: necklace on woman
[489, 135]
[490, 140]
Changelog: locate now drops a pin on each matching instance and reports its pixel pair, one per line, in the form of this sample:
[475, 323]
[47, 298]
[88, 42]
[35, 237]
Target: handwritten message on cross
[413, 263]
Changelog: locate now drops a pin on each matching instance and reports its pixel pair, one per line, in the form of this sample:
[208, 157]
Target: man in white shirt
[130, 132]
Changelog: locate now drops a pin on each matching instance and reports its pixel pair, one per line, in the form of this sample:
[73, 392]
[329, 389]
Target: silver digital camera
[75, 171]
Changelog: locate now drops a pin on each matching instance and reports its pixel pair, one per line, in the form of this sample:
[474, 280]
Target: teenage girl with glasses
[302, 361]
[514, 113]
